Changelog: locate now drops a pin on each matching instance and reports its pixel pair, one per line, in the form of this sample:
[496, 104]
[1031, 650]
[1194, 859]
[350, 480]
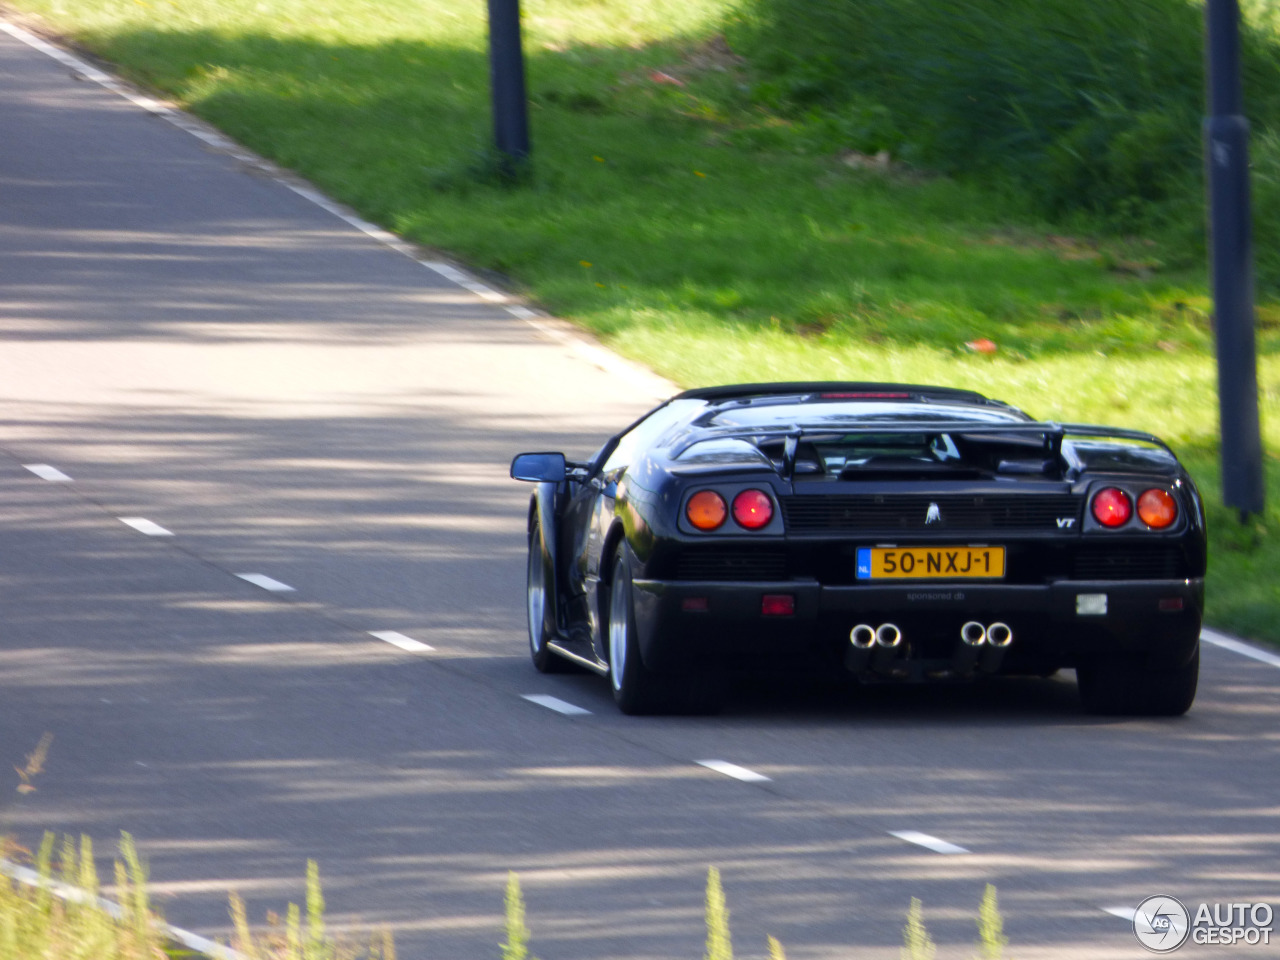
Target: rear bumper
[1054, 625]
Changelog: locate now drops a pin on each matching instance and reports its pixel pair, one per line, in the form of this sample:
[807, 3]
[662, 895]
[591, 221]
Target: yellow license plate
[930, 563]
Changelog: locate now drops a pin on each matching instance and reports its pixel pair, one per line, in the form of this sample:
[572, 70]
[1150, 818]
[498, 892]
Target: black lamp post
[506, 72]
[1226, 135]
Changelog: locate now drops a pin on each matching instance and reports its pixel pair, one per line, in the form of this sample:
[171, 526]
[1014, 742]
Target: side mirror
[538, 467]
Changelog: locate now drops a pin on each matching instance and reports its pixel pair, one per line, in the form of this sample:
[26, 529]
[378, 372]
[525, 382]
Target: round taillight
[1111, 507]
[706, 510]
[1157, 508]
[752, 509]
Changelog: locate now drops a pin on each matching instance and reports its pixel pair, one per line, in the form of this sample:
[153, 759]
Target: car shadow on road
[999, 698]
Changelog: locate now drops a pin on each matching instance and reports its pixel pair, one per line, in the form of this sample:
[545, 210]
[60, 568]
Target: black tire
[1119, 686]
[539, 589]
[636, 689]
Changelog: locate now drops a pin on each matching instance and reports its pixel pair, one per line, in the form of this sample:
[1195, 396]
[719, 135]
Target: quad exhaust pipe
[873, 648]
[881, 649]
[998, 635]
[888, 636]
[866, 637]
[863, 636]
[982, 647]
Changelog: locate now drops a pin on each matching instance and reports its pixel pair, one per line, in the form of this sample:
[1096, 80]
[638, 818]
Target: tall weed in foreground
[991, 938]
[916, 942]
[516, 946]
[55, 911]
[59, 916]
[719, 943]
[294, 942]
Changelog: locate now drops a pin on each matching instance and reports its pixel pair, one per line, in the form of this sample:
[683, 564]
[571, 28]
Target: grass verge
[707, 234]
[55, 911]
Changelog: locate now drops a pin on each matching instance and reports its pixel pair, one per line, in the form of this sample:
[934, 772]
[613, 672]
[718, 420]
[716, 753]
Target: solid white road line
[46, 472]
[927, 841]
[265, 582]
[1124, 913]
[401, 641]
[733, 770]
[556, 704]
[1235, 646]
[143, 525]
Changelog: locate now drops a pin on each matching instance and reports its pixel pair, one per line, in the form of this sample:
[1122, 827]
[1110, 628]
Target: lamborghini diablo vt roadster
[888, 532]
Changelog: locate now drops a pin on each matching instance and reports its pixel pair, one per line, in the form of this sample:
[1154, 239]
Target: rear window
[914, 456]
[781, 414]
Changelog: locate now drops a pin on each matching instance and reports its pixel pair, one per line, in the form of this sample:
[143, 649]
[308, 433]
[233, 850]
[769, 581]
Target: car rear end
[1015, 548]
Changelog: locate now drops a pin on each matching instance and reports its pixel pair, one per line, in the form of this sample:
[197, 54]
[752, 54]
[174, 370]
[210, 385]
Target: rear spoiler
[1053, 434]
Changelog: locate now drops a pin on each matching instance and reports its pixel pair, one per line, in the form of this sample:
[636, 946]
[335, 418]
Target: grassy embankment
[724, 217]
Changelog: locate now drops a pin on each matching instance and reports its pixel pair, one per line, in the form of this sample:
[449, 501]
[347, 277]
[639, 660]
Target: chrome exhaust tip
[863, 636]
[973, 633]
[999, 635]
[888, 635]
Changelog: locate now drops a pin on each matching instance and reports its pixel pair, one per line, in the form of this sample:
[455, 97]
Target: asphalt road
[229, 380]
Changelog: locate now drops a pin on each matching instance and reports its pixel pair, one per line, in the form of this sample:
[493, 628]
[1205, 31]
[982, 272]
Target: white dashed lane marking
[733, 770]
[556, 704]
[143, 525]
[46, 472]
[401, 641]
[927, 841]
[265, 582]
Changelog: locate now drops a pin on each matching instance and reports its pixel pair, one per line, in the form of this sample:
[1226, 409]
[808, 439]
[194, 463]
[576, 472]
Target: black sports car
[888, 531]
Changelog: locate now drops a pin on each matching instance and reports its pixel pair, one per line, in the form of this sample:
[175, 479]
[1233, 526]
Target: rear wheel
[1131, 687]
[636, 689]
[539, 591]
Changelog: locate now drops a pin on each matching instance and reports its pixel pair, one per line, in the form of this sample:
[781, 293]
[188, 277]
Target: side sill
[561, 650]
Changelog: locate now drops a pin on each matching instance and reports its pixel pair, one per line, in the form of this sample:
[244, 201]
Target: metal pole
[506, 72]
[1226, 133]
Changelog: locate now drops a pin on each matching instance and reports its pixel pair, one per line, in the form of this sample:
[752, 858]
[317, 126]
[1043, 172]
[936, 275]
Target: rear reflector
[777, 605]
[1171, 604]
[695, 605]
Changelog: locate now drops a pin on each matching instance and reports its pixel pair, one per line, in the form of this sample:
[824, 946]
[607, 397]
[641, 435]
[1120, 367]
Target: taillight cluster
[706, 510]
[1113, 507]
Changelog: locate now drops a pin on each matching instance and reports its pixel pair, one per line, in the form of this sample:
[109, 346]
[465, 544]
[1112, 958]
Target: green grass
[711, 234]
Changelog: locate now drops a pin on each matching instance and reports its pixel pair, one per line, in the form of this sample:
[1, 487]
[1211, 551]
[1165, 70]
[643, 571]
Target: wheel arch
[616, 535]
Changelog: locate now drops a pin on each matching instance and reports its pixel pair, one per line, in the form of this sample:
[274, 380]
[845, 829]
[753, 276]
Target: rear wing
[1052, 434]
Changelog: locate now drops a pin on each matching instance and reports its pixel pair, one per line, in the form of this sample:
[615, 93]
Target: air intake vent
[898, 512]
[732, 563]
[1129, 563]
